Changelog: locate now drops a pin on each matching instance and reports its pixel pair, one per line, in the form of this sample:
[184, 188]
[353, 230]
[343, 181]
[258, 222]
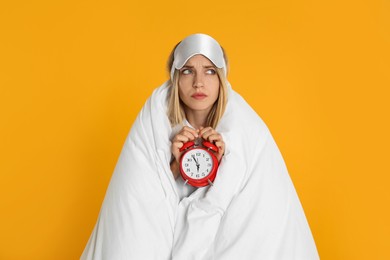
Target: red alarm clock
[198, 164]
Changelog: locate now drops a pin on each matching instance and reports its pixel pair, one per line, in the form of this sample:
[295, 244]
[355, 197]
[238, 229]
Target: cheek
[214, 86]
[180, 93]
[185, 81]
[183, 89]
[213, 81]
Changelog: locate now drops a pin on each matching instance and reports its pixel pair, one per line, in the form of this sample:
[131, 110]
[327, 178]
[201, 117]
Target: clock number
[197, 176]
[207, 159]
[186, 164]
[197, 154]
[209, 164]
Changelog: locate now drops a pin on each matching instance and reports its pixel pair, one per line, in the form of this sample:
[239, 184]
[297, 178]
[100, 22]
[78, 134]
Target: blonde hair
[176, 112]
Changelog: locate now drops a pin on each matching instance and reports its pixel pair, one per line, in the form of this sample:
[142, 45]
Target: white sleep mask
[198, 44]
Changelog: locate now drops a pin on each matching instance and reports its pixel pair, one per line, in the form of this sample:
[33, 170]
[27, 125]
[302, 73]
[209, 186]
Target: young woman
[251, 210]
[198, 89]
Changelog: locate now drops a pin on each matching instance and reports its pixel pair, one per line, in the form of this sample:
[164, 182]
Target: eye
[185, 71]
[211, 72]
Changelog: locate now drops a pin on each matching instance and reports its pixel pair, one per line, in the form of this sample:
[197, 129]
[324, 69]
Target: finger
[214, 137]
[204, 130]
[208, 134]
[175, 149]
[221, 146]
[178, 144]
[190, 135]
[191, 130]
[221, 150]
[181, 138]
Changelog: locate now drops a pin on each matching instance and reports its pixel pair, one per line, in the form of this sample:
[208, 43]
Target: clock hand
[197, 163]
[195, 160]
[193, 157]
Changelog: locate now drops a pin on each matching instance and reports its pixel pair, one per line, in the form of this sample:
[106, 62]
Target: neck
[197, 118]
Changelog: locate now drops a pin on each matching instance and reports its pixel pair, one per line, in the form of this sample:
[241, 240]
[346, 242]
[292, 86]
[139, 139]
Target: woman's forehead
[199, 59]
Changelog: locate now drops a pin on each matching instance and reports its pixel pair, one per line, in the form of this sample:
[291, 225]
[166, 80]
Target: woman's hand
[188, 134]
[209, 134]
[185, 135]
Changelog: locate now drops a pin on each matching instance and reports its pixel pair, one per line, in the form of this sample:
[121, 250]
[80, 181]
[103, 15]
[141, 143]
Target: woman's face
[198, 84]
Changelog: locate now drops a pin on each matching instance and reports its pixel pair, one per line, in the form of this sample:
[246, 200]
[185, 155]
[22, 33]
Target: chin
[199, 106]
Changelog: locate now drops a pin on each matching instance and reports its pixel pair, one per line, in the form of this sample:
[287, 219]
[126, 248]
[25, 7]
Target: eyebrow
[208, 66]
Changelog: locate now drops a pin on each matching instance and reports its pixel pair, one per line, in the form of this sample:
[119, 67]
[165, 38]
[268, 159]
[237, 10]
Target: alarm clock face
[197, 163]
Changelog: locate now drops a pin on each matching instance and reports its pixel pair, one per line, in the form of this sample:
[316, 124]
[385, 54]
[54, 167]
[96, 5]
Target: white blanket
[251, 212]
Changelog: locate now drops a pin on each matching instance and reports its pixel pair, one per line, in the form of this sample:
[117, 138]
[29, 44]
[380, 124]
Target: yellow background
[74, 75]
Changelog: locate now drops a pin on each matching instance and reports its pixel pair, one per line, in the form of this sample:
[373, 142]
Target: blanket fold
[251, 212]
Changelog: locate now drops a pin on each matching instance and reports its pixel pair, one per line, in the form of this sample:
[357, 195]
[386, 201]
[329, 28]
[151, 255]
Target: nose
[198, 80]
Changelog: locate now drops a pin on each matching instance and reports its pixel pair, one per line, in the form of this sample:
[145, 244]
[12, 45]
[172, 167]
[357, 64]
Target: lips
[199, 96]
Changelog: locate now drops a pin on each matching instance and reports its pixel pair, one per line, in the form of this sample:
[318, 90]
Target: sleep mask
[198, 44]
